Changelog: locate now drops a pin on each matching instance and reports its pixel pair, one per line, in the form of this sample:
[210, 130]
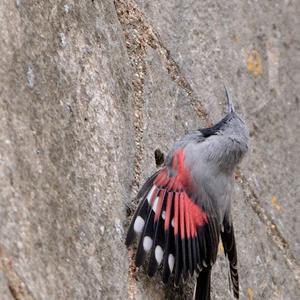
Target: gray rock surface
[90, 89]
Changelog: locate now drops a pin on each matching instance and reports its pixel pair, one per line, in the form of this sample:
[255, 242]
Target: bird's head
[231, 127]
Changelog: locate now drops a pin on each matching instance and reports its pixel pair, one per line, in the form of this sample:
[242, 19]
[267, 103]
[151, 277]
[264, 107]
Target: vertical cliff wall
[90, 89]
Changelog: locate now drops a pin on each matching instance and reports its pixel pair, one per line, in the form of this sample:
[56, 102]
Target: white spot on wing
[159, 254]
[171, 260]
[147, 243]
[172, 223]
[150, 193]
[139, 224]
[154, 207]
[163, 215]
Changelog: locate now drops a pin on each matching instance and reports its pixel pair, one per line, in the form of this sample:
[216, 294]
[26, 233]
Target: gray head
[229, 137]
[231, 124]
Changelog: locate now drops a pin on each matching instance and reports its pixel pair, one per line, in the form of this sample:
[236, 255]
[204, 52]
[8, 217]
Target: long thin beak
[229, 101]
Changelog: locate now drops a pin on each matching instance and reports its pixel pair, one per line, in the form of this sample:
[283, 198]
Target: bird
[185, 206]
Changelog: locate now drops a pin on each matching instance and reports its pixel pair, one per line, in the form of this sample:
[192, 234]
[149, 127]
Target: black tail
[228, 241]
[202, 289]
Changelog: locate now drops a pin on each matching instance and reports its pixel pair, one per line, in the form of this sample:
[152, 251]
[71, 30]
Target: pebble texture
[90, 89]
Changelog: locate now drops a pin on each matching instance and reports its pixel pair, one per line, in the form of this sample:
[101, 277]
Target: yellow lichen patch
[250, 293]
[254, 63]
[275, 203]
[221, 248]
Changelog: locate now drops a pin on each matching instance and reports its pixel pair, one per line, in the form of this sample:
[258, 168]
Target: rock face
[90, 89]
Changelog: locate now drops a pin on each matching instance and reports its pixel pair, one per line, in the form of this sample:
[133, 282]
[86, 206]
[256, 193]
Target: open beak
[229, 102]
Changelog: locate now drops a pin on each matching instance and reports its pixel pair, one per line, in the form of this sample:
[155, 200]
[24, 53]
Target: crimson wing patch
[174, 229]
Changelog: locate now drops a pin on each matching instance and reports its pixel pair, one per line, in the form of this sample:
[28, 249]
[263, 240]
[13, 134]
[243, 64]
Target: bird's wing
[228, 241]
[176, 222]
